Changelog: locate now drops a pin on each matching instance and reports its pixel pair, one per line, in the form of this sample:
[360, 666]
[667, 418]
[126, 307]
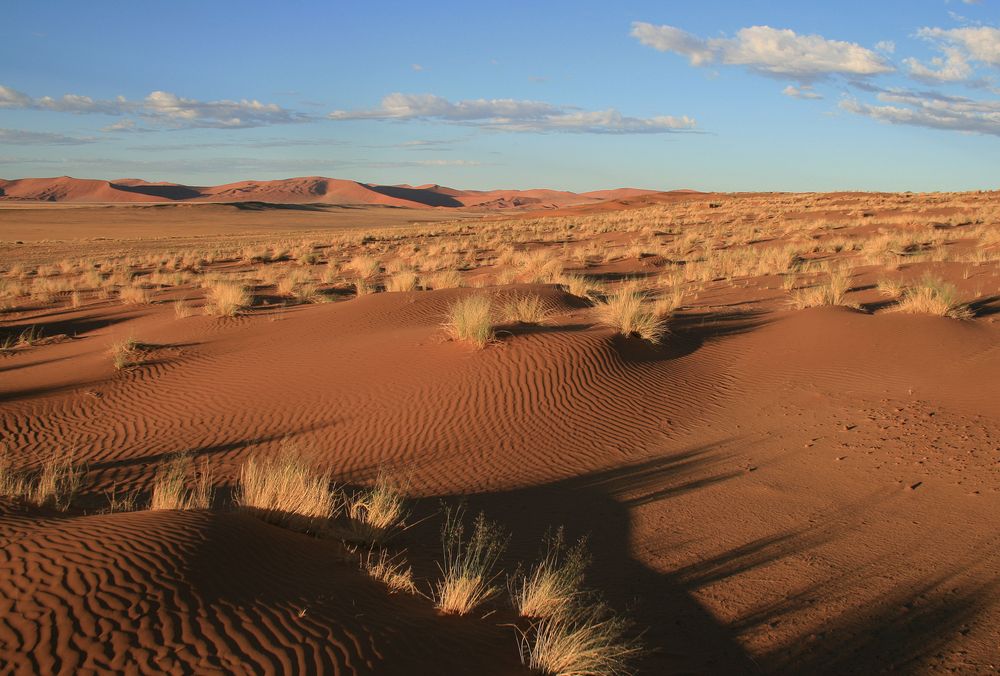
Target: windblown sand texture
[803, 476]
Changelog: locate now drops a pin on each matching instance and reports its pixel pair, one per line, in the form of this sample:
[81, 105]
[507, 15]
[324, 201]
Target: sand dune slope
[210, 593]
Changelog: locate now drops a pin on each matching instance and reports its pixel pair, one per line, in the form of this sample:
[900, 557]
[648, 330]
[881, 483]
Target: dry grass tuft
[55, 486]
[467, 572]
[587, 641]
[227, 299]
[471, 318]
[630, 314]
[526, 308]
[402, 281]
[933, 296]
[391, 571]
[832, 293]
[286, 491]
[134, 295]
[125, 354]
[378, 512]
[170, 485]
[554, 585]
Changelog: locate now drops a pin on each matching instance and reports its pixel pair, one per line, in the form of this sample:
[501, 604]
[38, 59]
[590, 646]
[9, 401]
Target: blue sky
[778, 95]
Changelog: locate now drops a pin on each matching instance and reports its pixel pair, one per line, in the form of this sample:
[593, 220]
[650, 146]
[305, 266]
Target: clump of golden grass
[577, 285]
[283, 489]
[182, 308]
[933, 296]
[402, 281]
[526, 308]
[13, 484]
[170, 486]
[890, 288]
[832, 293]
[554, 584]
[226, 299]
[122, 502]
[588, 640]
[134, 295]
[628, 312]
[471, 318]
[125, 353]
[448, 279]
[56, 483]
[378, 512]
[363, 287]
[391, 571]
[365, 266]
[467, 572]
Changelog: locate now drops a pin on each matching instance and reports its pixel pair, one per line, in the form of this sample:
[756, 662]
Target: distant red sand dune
[306, 189]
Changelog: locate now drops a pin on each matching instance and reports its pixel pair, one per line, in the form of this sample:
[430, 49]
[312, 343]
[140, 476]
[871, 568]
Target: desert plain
[328, 427]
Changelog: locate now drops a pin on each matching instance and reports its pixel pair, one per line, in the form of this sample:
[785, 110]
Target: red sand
[771, 491]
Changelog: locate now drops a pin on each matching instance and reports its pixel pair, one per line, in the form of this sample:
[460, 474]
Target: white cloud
[161, 108]
[953, 67]
[514, 115]
[980, 43]
[417, 67]
[886, 46]
[930, 109]
[769, 51]
[803, 92]
[24, 137]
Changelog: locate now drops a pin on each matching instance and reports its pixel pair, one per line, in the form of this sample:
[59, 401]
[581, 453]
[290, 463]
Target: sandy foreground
[801, 477]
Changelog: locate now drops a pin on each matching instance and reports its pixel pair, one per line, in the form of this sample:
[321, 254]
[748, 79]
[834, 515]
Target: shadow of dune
[427, 197]
[167, 192]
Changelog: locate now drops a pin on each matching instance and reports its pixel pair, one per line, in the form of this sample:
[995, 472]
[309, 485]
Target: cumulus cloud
[514, 115]
[769, 51]
[162, 109]
[24, 137]
[929, 109]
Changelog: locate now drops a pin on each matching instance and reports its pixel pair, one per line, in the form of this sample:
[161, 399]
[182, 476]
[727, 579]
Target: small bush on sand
[227, 299]
[170, 486]
[54, 485]
[467, 572]
[182, 309]
[933, 296]
[890, 288]
[283, 489]
[448, 279]
[577, 285]
[58, 482]
[125, 354]
[402, 281]
[363, 287]
[134, 295]
[587, 640]
[553, 586]
[376, 513]
[471, 318]
[391, 571]
[631, 315]
[833, 292]
[526, 308]
[365, 266]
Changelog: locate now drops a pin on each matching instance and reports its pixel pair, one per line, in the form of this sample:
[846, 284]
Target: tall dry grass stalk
[391, 571]
[378, 512]
[554, 584]
[526, 308]
[227, 299]
[171, 488]
[628, 312]
[589, 641]
[468, 569]
[471, 318]
[933, 296]
[285, 490]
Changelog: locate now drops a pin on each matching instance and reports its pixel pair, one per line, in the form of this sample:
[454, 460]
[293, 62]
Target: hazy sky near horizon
[714, 95]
